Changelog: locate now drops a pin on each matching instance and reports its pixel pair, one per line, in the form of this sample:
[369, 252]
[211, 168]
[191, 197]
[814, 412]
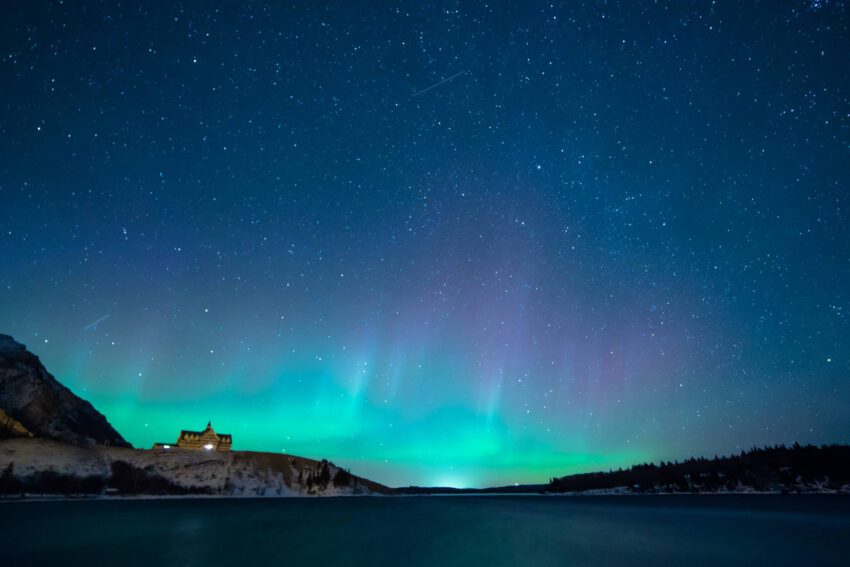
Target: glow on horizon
[312, 413]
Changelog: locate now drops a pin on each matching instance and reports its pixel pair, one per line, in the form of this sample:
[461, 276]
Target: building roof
[184, 432]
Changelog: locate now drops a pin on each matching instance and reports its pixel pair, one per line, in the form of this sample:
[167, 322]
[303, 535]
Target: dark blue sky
[619, 232]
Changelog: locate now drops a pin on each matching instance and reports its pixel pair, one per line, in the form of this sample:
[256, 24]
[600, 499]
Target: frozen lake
[454, 530]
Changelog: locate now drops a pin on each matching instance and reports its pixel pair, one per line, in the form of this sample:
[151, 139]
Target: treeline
[130, 480]
[48, 482]
[319, 480]
[779, 468]
[125, 479]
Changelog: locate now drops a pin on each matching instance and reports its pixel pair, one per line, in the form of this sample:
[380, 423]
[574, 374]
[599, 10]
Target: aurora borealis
[618, 233]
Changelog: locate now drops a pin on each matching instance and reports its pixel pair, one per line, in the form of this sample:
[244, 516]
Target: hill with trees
[798, 468]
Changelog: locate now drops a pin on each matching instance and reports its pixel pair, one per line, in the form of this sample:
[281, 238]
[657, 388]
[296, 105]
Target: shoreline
[577, 495]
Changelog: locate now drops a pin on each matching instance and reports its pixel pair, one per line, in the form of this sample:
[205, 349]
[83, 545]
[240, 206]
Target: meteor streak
[94, 324]
[435, 85]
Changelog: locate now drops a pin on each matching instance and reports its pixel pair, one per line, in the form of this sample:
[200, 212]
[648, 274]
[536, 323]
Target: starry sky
[454, 243]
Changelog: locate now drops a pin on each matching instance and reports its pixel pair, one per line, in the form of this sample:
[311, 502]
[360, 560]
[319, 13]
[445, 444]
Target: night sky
[447, 243]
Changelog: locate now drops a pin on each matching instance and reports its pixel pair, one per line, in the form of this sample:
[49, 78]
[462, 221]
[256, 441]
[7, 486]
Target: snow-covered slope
[37, 465]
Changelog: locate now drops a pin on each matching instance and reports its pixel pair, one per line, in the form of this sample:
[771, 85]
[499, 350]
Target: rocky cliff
[32, 402]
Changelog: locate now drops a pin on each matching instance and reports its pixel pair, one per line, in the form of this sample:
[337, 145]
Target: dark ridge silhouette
[798, 468]
[34, 403]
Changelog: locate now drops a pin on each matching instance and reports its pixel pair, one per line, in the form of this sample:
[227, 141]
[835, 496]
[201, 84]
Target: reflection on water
[506, 530]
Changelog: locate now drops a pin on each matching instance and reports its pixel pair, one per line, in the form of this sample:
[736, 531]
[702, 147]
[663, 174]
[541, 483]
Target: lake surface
[432, 530]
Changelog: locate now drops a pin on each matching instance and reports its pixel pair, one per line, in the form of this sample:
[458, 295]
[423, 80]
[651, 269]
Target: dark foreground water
[501, 530]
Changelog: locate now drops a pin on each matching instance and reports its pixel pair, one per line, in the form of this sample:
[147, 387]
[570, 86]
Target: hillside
[53, 442]
[43, 466]
[797, 468]
[34, 403]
